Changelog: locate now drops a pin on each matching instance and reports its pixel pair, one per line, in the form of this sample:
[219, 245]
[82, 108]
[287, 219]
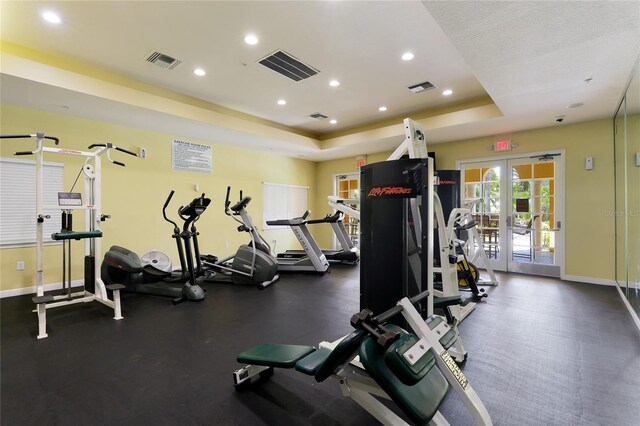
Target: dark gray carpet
[542, 352]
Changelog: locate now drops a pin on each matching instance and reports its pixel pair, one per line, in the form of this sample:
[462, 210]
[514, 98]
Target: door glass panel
[532, 212]
[348, 187]
[484, 183]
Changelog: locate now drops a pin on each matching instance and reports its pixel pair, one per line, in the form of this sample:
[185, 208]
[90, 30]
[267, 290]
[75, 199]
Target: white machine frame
[355, 382]
[473, 239]
[92, 196]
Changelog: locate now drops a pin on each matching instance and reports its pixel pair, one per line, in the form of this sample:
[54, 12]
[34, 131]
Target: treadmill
[312, 259]
[348, 254]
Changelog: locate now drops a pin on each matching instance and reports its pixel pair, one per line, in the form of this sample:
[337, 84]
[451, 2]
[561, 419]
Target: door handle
[509, 221]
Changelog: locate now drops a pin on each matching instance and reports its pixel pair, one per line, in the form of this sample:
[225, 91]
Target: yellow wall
[326, 172]
[589, 230]
[134, 195]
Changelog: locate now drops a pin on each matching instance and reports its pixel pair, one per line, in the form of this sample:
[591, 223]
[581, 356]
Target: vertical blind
[18, 200]
[283, 202]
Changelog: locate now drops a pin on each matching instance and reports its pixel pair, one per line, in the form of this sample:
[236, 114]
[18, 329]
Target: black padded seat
[441, 302]
[71, 235]
[420, 401]
[275, 355]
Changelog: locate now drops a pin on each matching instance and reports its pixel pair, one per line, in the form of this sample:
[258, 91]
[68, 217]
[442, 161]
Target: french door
[517, 203]
[347, 186]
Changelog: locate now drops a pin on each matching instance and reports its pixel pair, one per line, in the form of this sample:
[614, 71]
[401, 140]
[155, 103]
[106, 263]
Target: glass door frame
[505, 263]
[336, 192]
[499, 264]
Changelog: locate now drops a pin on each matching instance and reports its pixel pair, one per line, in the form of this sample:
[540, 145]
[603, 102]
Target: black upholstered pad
[70, 235]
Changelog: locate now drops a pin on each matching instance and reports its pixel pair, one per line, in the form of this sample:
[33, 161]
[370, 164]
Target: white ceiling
[531, 58]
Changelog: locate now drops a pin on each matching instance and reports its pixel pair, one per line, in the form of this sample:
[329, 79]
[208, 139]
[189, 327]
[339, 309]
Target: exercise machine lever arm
[35, 135]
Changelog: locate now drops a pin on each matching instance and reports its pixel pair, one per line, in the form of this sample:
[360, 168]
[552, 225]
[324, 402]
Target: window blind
[18, 200]
[283, 202]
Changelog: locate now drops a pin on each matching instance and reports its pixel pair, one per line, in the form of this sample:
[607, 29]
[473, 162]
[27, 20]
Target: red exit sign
[504, 145]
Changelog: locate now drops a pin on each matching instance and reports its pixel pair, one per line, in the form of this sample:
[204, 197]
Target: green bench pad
[421, 401]
[448, 338]
[312, 362]
[70, 235]
[275, 355]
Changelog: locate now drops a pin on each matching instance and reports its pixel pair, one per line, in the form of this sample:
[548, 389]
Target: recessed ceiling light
[51, 17]
[199, 71]
[447, 92]
[382, 108]
[282, 102]
[332, 121]
[334, 83]
[575, 105]
[251, 39]
[407, 56]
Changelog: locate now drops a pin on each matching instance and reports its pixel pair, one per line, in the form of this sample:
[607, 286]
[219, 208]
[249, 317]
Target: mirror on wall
[633, 190]
[619, 133]
[626, 125]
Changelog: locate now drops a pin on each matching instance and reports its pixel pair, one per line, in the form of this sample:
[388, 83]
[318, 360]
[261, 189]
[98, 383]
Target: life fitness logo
[390, 191]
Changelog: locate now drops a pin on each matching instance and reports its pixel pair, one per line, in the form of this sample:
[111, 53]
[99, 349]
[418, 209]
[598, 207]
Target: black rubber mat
[542, 352]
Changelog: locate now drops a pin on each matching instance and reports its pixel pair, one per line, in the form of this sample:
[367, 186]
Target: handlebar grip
[93, 145]
[23, 153]
[226, 200]
[126, 151]
[383, 317]
[166, 203]
[119, 163]
[53, 138]
[16, 136]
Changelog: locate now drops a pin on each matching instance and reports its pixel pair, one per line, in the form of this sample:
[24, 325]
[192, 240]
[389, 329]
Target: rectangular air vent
[318, 116]
[421, 87]
[288, 66]
[162, 60]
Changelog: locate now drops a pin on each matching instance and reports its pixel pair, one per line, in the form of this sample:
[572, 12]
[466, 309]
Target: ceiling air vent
[285, 64]
[162, 60]
[421, 87]
[318, 116]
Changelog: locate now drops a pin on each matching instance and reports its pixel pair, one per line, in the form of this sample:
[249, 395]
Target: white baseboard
[589, 280]
[32, 290]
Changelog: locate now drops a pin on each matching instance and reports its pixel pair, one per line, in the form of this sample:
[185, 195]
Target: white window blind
[18, 200]
[283, 202]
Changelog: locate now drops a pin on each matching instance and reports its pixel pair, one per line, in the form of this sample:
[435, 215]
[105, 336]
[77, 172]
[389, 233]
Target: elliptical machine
[122, 266]
[253, 263]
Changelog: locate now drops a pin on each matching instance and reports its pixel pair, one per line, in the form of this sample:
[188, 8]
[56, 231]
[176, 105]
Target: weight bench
[419, 402]
[412, 369]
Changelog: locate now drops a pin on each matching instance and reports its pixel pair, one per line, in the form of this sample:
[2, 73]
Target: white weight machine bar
[93, 216]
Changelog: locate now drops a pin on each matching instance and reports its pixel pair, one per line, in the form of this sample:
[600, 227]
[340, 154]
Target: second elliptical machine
[253, 263]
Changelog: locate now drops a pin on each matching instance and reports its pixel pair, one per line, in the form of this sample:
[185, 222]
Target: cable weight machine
[90, 201]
